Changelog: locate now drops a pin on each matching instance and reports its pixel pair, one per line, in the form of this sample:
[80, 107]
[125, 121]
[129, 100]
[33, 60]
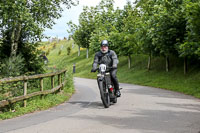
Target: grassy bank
[138, 74]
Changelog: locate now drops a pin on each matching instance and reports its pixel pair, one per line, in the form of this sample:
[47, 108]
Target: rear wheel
[104, 94]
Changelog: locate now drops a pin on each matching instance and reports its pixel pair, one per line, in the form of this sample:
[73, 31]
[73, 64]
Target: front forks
[107, 79]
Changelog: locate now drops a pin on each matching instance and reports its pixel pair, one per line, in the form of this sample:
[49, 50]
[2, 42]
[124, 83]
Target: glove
[114, 67]
[93, 70]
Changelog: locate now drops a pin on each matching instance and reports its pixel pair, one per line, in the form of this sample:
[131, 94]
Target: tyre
[104, 94]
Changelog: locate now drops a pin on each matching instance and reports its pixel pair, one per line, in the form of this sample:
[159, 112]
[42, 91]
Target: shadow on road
[91, 105]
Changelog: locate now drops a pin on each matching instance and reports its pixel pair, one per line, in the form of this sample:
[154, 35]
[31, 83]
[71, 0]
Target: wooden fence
[61, 81]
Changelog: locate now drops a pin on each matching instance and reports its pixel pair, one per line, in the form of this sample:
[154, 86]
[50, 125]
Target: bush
[12, 66]
[34, 64]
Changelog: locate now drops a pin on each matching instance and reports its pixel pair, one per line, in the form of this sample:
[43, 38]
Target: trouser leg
[114, 78]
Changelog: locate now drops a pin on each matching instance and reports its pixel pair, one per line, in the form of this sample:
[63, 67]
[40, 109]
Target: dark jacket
[109, 58]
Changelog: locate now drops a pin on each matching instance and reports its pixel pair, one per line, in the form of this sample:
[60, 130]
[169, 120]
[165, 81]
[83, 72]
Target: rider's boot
[117, 93]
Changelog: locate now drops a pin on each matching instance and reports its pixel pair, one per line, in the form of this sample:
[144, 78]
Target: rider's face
[104, 48]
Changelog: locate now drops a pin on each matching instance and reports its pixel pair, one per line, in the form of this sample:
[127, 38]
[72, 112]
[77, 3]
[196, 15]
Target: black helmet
[104, 43]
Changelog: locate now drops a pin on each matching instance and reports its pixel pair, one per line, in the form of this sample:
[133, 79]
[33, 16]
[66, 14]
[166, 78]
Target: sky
[60, 28]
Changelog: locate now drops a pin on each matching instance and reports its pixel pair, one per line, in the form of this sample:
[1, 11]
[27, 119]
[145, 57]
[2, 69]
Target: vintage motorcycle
[106, 87]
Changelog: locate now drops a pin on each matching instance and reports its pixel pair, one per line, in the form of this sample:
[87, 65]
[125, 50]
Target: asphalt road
[139, 110]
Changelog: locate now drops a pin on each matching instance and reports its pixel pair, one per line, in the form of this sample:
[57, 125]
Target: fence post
[25, 92]
[52, 82]
[74, 68]
[64, 75]
[61, 77]
[59, 81]
[41, 86]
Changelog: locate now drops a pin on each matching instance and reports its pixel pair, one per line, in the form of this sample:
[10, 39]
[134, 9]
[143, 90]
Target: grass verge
[38, 104]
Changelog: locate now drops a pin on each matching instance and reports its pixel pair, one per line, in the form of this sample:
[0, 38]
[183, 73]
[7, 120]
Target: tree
[22, 23]
[73, 31]
[87, 26]
[190, 46]
[166, 26]
[130, 32]
[82, 33]
[105, 20]
[28, 17]
[144, 29]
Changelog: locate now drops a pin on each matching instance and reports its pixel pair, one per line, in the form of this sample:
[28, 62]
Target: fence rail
[42, 92]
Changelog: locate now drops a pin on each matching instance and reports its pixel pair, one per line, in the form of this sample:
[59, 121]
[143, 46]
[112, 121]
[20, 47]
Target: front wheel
[104, 94]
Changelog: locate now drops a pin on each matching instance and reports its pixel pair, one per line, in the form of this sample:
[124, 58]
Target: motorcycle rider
[109, 58]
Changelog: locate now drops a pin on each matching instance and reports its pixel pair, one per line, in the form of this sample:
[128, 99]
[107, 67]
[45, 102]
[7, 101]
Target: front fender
[100, 77]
